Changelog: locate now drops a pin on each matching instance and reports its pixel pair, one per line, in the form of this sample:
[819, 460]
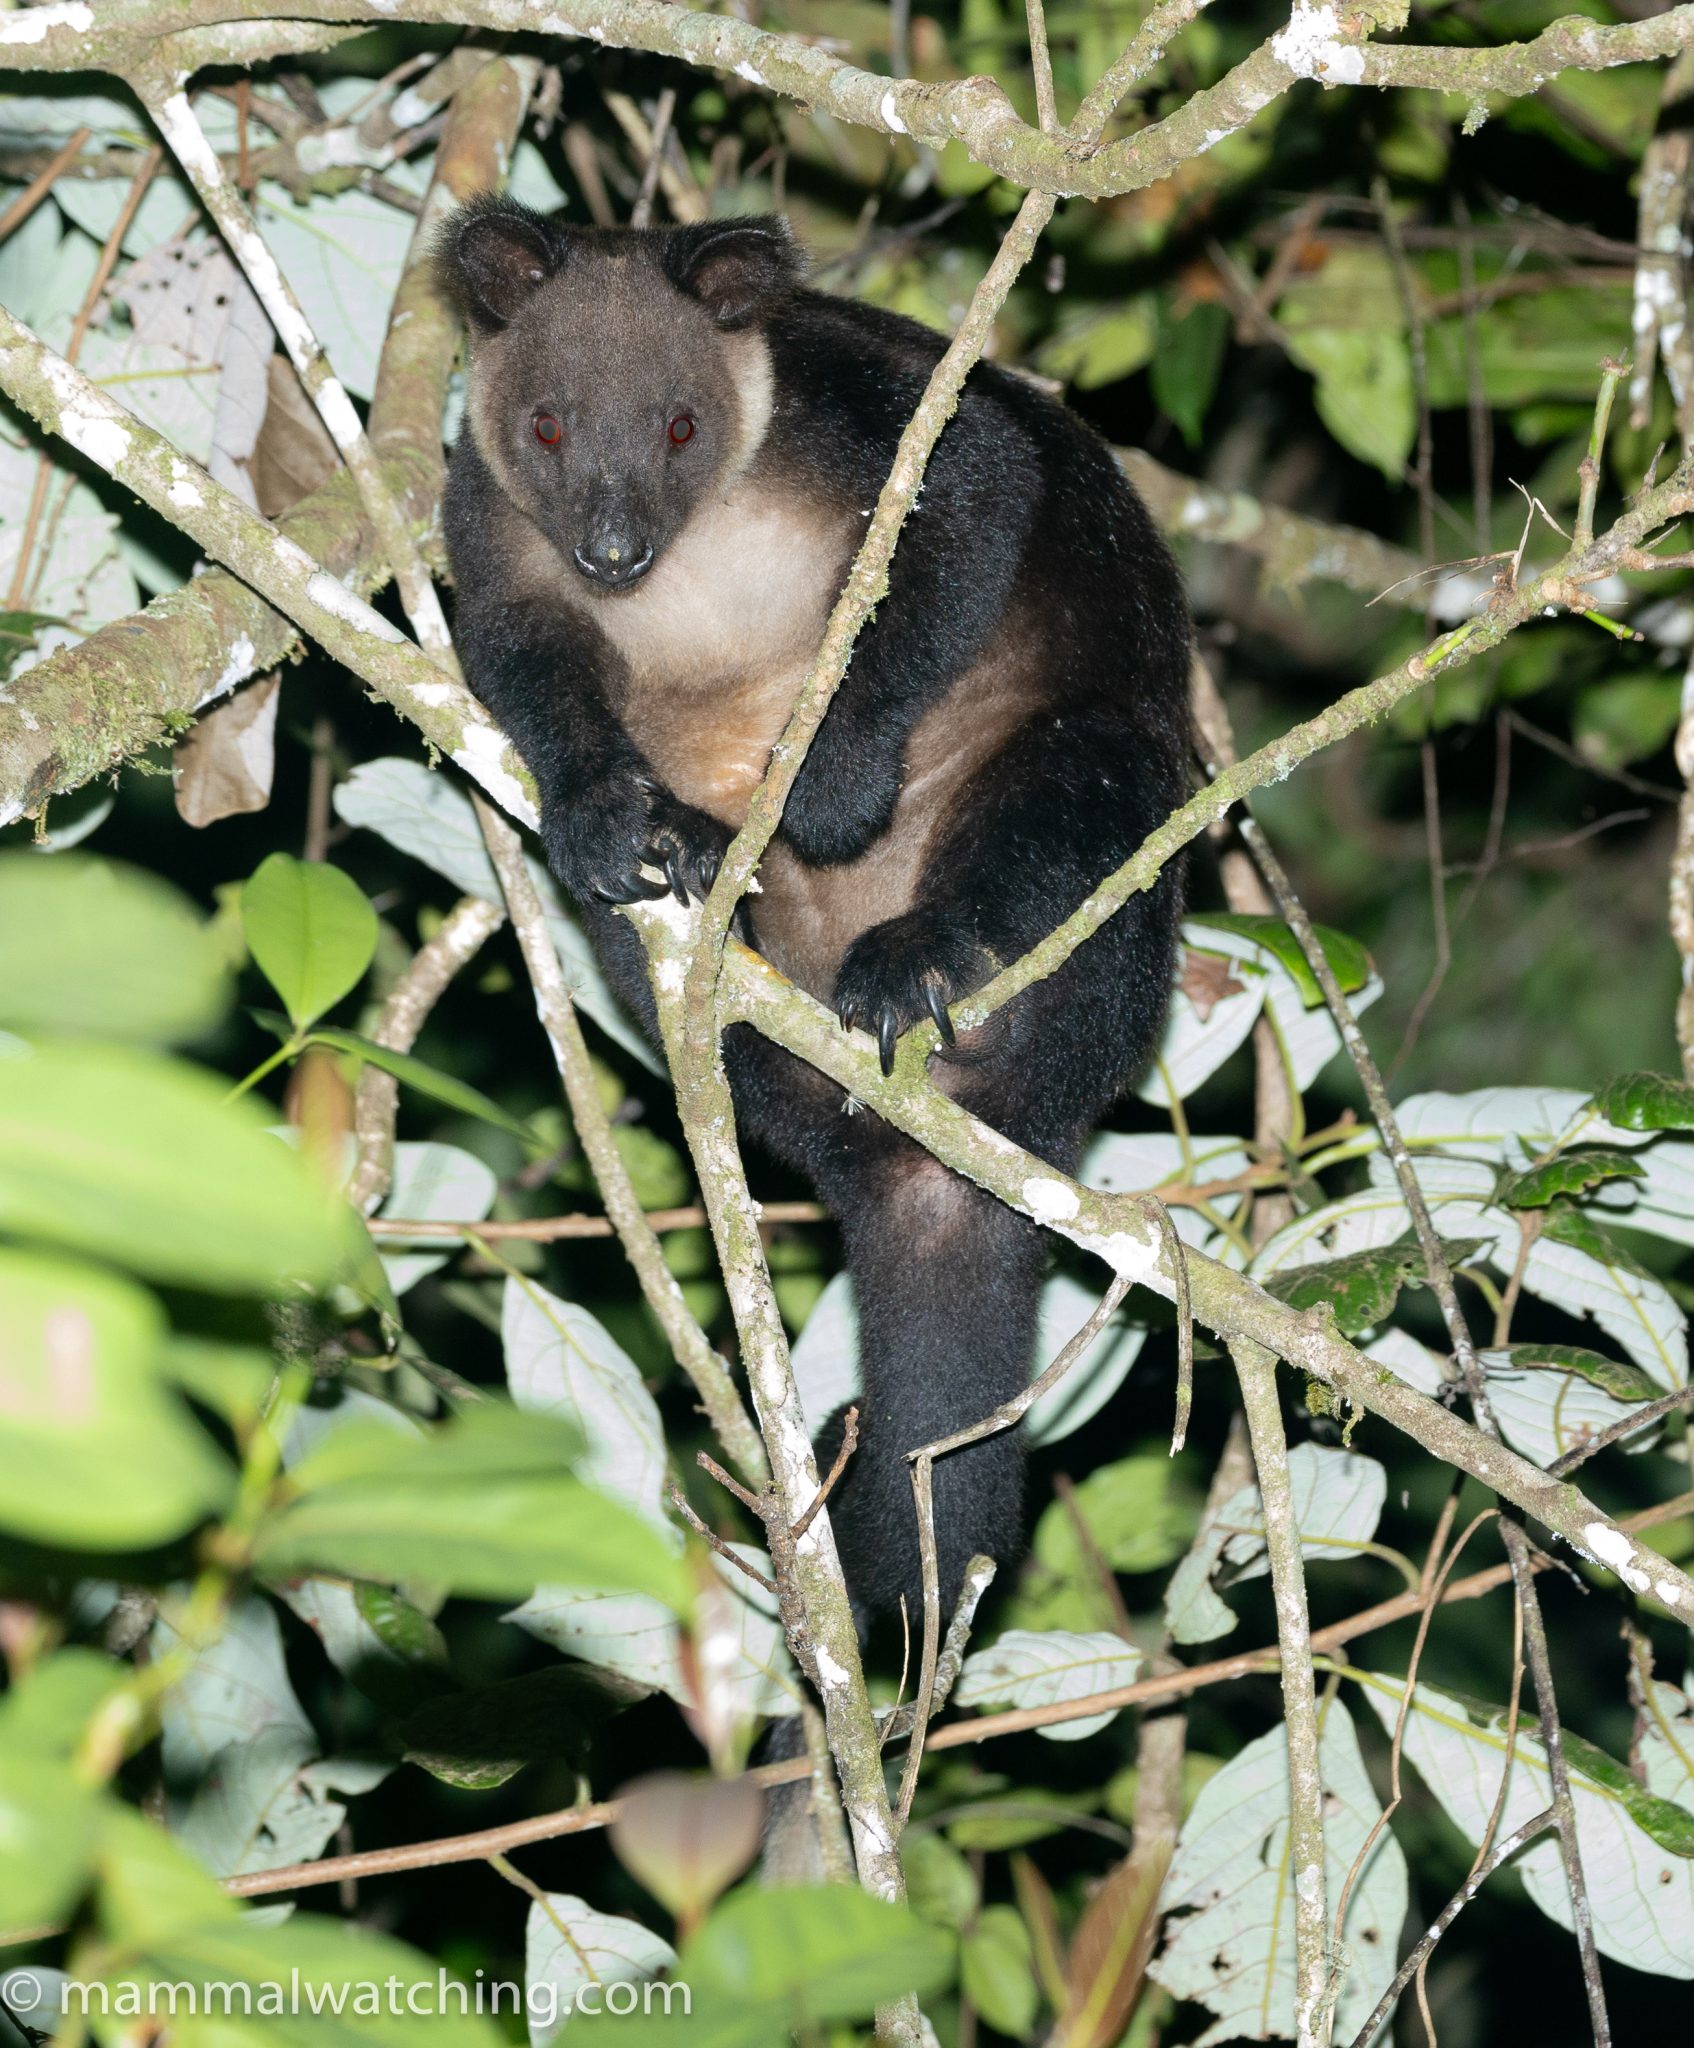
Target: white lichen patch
[184, 491]
[322, 589]
[671, 976]
[482, 756]
[1614, 1549]
[30, 24]
[1050, 1200]
[90, 423]
[830, 1671]
[747, 71]
[242, 654]
[335, 409]
[293, 557]
[1311, 46]
[1136, 1256]
[891, 114]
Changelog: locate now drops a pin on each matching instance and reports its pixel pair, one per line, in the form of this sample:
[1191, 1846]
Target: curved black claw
[938, 1010]
[908, 971]
[887, 1032]
[633, 887]
[688, 844]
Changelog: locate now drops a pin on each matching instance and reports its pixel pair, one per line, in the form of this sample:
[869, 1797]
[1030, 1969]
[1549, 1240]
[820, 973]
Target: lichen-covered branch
[821, 1632]
[1321, 42]
[1116, 1229]
[140, 679]
[1293, 548]
[689, 1344]
[1560, 587]
[463, 932]
[62, 401]
[1313, 2005]
[177, 122]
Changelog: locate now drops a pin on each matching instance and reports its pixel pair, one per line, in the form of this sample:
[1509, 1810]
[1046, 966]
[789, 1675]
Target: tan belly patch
[720, 635]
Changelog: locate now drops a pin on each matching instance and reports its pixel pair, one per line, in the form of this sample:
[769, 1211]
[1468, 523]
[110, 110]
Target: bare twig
[923, 1460]
[1313, 1997]
[41, 184]
[557, 1229]
[849, 1444]
[1518, 1839]
[1440, 1280]
[689, 1343]
[461, 935]
[180, 126]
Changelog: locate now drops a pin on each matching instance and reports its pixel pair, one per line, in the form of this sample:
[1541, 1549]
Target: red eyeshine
[547, 430]
[682, 429]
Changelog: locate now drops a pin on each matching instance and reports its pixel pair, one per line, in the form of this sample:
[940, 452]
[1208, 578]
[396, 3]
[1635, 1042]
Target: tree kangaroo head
[617, 377]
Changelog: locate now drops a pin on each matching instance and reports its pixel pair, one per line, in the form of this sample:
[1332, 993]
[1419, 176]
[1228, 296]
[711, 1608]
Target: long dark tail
[948, 1283]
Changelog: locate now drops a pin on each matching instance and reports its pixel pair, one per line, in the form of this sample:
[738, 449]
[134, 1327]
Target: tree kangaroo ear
[737, 269]
[492, 256]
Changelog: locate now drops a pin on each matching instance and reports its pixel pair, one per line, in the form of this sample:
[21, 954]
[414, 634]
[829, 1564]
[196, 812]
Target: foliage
[320, 1528]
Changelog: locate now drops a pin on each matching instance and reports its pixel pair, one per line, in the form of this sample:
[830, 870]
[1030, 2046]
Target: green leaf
[1093, 348]
[825, 1952]
[1666, 1823]
[1568, 1173]
[1565, 1223]
[482, 1738]
[1625, 719]
[48, 1824]
[1187, 363]
[430, 1081]
[141, 1160]
[95, 1453]
[484, 1505]
[1348, 960]
[1647, 1102]
[103, 951]
[1040, 1668]
[1634, 1854]
[311, 930]
[1362, 1287]
[1364, 391]
[17, 635]
[47, 1713]
[1014, 1819]
[1137, 1514]
[342, 1971]
[1610, 1375]
[997, 1971]
[940, 1884]
[232, 1380]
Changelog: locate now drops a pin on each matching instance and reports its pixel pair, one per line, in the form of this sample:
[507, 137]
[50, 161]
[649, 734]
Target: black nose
[615, 559]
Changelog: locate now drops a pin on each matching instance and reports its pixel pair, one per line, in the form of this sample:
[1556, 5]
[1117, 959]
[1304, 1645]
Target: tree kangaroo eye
[548, 430]
[682, 429]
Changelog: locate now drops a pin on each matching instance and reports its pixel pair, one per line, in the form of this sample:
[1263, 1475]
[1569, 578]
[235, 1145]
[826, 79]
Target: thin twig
[558, 1229]
[641, 214]
[376, 1100]
[689, 1344]
[41, 184]
[1314, 1999]
[1440, 1280]
[1041, 63]
[849, 1444]
[923, 1460]
[1518, 1839]
[180, 126]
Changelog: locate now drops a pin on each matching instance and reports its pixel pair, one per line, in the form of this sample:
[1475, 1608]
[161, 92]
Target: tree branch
[1319, 42]
[689, 1344]
[1313, 2002]
[138, 680]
